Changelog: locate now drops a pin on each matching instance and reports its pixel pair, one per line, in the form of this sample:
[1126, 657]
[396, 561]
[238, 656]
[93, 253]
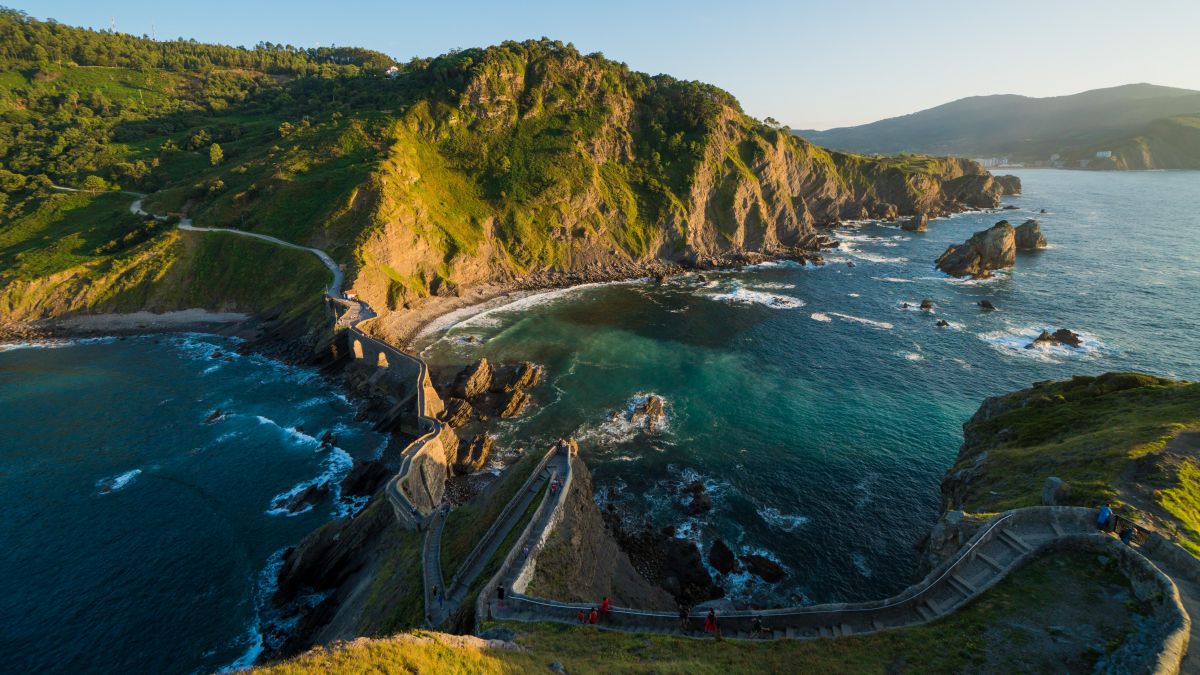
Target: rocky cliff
[530, 156]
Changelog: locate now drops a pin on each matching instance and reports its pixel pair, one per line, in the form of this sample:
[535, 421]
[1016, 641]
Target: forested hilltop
[480, 165]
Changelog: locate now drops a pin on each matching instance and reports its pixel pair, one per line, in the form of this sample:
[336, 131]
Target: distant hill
[1030, 129]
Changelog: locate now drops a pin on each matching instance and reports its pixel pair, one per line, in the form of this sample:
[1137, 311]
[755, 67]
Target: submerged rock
[942, 323]
[699, 502]
[763, 567]
[926, 304]
[213, 416]
[986, 304]
[303, 499]
[985, 251]
[1029, 236]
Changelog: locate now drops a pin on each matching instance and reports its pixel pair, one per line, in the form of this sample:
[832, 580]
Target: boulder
[515, 403]
[1029, 236]
[986, 304]
[474, 380]
[213, 416]
[926, 304]
[473, 456]
[722, 559]
[918, 223]
[699, 501]
[985, 251]
[942, 323]
[1055, 491]
[763, 567]
[1010, 207]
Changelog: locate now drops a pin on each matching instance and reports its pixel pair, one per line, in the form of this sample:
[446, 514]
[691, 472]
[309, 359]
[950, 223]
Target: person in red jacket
[582, 617]
[592, 617]
[605, 605]
[711, 625]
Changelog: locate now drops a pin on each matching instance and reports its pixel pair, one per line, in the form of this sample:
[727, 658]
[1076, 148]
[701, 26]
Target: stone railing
[1005, 543]
[517, 561]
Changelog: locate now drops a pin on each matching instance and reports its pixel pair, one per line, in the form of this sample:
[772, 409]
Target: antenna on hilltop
[112, 22]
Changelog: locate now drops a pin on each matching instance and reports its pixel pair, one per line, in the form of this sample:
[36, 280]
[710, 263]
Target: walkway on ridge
[476, 561]
[999, 547]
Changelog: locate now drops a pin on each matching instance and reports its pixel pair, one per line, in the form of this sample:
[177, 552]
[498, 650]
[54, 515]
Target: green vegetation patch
[466, 524]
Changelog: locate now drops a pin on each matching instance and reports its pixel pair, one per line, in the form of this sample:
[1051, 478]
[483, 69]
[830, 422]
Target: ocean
[817, 410]
[821, 412]
[136, 536]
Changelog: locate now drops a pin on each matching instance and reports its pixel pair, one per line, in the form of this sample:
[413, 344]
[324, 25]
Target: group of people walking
[596, 614]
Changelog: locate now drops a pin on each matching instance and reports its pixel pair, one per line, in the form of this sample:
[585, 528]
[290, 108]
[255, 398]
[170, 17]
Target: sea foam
[117, 483]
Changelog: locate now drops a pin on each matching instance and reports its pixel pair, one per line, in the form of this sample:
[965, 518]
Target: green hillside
[1029, 129]
[475, 166]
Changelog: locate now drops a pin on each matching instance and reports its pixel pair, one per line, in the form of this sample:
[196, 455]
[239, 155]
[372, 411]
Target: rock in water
[523, 375]
[1062, 336]
[515, 404]
[457, 413]
[721, 558]
[650, 414]
[1029, 236]
[918, 223]
[763, 567]
[987, 250]
[926, 304]
[303, 499]
[986, 304]
[213, 416]
[474, 455]
[700, 502]
[942, 323]
[474, 380]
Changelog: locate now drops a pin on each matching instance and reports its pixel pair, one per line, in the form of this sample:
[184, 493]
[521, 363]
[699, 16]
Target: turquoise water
[135, 536]
[819, 412]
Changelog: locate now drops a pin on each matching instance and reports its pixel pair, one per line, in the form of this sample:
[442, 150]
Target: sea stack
[985, 251]
[917, 223]
[1029, 236]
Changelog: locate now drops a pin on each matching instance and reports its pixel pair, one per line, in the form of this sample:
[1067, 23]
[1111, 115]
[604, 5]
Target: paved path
[476, 561]
[1007, 542]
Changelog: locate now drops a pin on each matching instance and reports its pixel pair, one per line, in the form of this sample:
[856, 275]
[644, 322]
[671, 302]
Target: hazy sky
[808, 64]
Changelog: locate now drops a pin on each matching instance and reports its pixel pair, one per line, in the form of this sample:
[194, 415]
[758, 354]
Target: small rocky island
[991, 249]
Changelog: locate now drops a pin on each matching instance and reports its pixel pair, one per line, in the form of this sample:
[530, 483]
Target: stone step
[959, 584]
[1058, 530]
[824, 632]
[925, 613]
[1015, 541]
[989, 560]
[847, 630]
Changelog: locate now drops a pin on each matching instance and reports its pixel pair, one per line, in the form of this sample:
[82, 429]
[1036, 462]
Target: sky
[811, 65]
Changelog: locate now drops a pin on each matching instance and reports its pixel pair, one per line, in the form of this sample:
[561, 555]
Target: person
[710, 623]
[1103, 517]
[593, 617]
[605, 605]
[437, 594]
[684, 625]
[1127, 536]
[500, 595]
[581, 616]
[757, 627]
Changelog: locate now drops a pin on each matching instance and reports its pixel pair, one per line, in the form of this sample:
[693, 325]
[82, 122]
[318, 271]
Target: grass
[1010, 624]
[396, 599]
[467, 524]
[1093, 433]
[65, 231]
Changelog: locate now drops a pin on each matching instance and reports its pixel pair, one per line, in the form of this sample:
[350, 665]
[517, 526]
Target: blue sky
[808, 64]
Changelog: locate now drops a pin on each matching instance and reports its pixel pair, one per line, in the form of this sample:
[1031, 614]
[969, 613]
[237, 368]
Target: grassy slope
[1087, 431]
[1009, 624]
[48, 253]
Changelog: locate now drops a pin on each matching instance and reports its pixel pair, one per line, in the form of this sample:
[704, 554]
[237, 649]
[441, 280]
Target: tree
[215, 154]
[94, 184]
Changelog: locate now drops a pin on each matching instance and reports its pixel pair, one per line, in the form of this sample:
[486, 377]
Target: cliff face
[530, 157]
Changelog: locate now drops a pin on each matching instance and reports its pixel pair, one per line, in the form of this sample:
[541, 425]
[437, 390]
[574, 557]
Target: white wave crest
[116, 483]
[882, 325]
[783, 521]
[894, 280]
[744, 296]
[1014, 341]
[820, 316]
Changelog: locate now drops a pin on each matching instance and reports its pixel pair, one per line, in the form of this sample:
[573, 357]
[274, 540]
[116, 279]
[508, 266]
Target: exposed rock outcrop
[918, 223]
[722, 559]
[458, 412]
[649, 414]
[474, 380]
[518, 376]
[514, 404]
[473, 456]
[695, 499]
[987, 250]
[365, 478]
[1062, 336]
[1029, 236]
[763, 567]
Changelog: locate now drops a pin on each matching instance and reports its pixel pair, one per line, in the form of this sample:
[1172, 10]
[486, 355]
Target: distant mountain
[1029, 129]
